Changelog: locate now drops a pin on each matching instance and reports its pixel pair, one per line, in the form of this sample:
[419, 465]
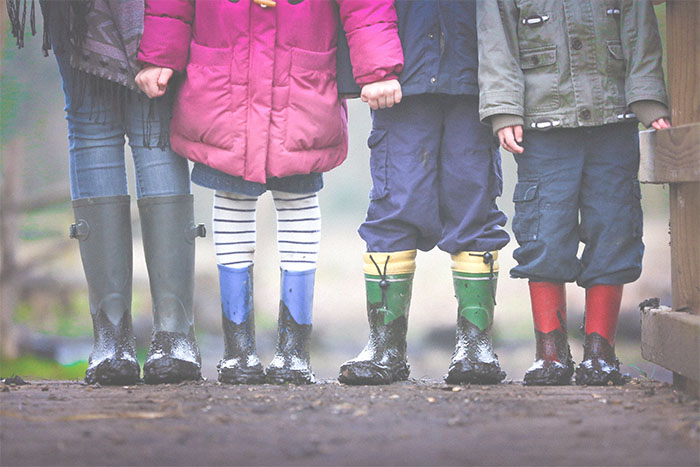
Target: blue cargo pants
[436, 174]
[579, 185]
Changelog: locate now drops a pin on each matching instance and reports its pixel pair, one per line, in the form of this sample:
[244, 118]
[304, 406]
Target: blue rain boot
[240, 364]
[291, 362]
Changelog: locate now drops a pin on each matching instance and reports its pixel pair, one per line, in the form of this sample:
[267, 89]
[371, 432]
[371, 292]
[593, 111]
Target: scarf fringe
[69, 18]
[71, 14]
[115, 99]
[17, 12]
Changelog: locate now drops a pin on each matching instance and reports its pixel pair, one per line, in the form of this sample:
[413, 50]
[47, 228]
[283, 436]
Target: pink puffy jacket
[259, 98]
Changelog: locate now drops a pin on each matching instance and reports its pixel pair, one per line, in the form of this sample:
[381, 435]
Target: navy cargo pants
[436, 174]
[579, 185]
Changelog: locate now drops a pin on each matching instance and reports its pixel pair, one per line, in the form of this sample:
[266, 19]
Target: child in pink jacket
[258, 110]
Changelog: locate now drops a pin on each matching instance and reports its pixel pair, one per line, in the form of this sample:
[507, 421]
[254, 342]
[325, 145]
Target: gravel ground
[420, 422]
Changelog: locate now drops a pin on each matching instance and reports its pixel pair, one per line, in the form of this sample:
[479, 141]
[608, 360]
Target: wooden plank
[671, 155]
[672, 339]
[685, 246]
[683, 28]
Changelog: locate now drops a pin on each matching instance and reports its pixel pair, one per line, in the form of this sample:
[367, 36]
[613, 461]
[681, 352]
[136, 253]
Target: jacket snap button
[585, 114]
[431, 36]
[576, 44]
[433, 80]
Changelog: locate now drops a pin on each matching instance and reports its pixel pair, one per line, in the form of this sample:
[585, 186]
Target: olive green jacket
[568, 63]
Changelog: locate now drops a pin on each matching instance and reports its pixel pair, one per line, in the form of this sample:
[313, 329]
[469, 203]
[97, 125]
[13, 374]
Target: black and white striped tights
[298, 229]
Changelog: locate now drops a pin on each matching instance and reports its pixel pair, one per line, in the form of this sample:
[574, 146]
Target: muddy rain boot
[103, 228]
[168, 241]
[291, 363]
[388, 281]
[600, 366]
[553, 363]
[474, 361]
[240, 364]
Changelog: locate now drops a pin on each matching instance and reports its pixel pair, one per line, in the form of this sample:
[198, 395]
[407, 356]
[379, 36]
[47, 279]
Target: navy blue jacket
[439, 46]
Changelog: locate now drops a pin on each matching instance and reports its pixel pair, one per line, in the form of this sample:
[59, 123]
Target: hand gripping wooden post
[671, 338]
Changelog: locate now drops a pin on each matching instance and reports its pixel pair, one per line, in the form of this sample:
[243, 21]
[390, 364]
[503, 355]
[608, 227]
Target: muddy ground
[415, 423]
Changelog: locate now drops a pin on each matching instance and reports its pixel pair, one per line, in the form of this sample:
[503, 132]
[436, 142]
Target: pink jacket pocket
[209, 108]
[314, 113]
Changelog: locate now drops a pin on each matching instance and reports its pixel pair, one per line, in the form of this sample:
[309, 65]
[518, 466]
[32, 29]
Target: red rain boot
[600, 365]
[553, 364]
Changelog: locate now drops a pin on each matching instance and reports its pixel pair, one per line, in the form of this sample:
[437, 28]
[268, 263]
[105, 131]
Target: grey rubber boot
[103, 229]
[168, 239]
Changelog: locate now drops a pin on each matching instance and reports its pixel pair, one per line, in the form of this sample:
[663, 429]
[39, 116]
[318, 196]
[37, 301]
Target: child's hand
[661, 123]
[381, 94]
[153, 80]
[510, 136]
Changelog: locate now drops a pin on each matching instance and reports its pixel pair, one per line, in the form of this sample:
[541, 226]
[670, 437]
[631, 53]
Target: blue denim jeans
[579, 185]
[96, 147]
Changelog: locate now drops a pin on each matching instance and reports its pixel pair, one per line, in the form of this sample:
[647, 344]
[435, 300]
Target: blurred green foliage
[32, 368]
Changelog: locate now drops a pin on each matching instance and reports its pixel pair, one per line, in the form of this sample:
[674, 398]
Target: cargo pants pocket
[526, 221]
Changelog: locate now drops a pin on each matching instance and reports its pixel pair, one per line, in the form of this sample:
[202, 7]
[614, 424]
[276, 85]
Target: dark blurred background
[44, 315]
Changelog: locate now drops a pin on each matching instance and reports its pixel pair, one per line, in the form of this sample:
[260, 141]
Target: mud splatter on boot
[240, 364]
[475, 276]
[473, 361]
[169, 232]
[383, 360]
[103, 229]
[553, 363]
[292, 363]
[600, 366]
[173, 357]
[113, 358]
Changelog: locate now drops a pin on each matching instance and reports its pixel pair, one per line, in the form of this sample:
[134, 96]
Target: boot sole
[114, 372]
[255, 375]
[550, 376]
[287, 376]
[369, 373]
[589, 377]
[488, 374]
[170, 370]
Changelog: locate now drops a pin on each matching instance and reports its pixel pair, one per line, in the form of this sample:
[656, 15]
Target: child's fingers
[147, 81]
[660, 124]
[397, 94]
[506, 136]
[390, 99]
[518, 130]
[163, 78]
[381, 101]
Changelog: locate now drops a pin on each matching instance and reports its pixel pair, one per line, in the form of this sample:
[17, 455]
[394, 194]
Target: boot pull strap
[196, 230]
[79, 230]
[383, 282]
[488, 259]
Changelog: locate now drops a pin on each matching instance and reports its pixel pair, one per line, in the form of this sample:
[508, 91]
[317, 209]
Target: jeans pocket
[379, 149]
[526, 221]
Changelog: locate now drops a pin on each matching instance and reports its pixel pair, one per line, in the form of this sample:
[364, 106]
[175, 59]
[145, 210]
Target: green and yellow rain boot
[474, 362]
[388, 281]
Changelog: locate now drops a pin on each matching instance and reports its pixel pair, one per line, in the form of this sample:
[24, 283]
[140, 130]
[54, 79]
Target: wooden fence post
[672, 338]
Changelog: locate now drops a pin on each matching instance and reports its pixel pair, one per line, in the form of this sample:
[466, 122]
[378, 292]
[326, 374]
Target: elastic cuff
[499, 121]
[472, 262]
[397, 262]
[648, 111]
